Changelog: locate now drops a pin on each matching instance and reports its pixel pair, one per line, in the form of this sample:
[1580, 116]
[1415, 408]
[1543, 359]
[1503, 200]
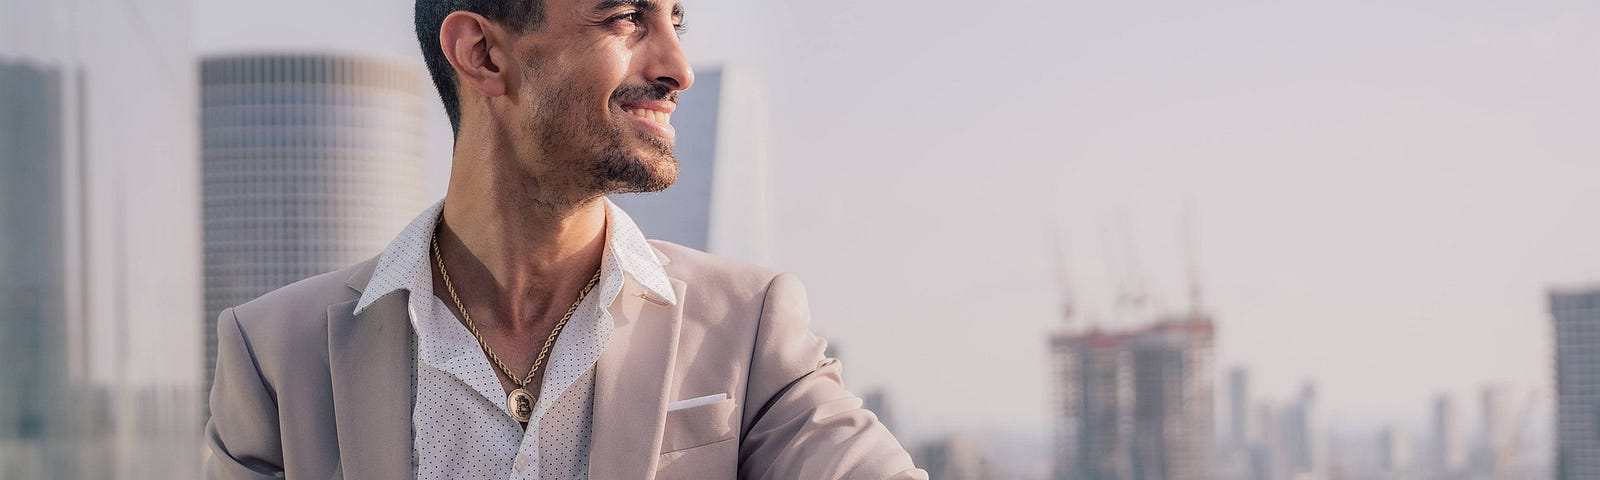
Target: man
[523, 327]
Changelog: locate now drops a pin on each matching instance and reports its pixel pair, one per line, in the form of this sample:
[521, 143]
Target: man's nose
[667, 64]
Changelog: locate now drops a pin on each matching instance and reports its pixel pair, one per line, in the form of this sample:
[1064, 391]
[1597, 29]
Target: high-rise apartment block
[1576, 314]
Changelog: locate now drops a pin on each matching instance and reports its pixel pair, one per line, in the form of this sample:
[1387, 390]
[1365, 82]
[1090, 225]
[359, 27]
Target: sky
[1381, 192]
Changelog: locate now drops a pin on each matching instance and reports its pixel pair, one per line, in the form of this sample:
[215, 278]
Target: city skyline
[1380, 213]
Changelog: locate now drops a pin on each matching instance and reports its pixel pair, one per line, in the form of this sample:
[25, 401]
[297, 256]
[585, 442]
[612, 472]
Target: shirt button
[522, 462]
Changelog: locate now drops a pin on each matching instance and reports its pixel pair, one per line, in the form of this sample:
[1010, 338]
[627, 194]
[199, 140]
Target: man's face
[600, 82]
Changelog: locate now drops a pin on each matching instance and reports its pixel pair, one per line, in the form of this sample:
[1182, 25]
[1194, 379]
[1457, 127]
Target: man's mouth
[657, 116]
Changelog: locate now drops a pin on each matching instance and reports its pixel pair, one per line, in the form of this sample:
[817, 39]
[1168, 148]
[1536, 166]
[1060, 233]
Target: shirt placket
[526, 464]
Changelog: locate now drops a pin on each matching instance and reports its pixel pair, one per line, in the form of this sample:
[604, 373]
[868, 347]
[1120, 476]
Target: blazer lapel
[630, 395]
[369, 362]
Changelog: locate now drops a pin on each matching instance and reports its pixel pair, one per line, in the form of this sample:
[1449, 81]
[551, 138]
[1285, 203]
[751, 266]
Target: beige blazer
[306, 389]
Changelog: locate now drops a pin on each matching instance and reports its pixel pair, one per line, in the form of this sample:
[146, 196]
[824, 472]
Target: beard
[621, 169]
[609, 158]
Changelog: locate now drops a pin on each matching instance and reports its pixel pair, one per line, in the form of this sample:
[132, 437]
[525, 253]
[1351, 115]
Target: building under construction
[1135, 404]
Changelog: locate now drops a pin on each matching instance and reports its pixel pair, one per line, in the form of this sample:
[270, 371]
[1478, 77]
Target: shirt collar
[627, 245]
[404, 263]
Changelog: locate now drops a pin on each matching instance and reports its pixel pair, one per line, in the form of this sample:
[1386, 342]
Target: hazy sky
[1384, 190]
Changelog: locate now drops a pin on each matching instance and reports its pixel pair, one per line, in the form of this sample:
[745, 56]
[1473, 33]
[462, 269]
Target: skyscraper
[311, 162]
[722, 201]
[1302, 446]
[1234, 440]
[1394, 450]
[1448, 453]
[1238, 408]
[1173, 401]
[1135, 404]
[1576, 314]
[32, 268]
[1495, 450]
[99, 370]
[1267, 452]
[1093, 406]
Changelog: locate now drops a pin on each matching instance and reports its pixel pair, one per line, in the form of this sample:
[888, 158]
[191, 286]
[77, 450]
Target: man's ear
[471, 44]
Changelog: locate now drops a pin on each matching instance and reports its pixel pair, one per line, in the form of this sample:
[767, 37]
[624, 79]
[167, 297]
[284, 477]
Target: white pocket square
[697, 401]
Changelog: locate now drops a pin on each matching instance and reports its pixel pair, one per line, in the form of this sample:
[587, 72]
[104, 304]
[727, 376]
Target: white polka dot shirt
[461, 426]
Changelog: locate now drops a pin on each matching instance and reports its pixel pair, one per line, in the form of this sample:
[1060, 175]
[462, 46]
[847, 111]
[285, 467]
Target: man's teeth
[651, 115]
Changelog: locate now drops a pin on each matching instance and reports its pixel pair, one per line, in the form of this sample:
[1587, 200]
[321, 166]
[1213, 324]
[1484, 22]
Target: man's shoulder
[307, 300]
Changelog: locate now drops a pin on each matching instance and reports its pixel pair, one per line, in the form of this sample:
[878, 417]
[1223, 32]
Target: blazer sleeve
[242, 434]
[800, 422]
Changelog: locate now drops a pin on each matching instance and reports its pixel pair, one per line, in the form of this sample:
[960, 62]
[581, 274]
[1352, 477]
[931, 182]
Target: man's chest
[463, 428]
[465, 421]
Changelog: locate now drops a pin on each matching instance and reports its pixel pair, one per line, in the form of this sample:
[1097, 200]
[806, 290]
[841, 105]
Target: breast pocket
[700, 442]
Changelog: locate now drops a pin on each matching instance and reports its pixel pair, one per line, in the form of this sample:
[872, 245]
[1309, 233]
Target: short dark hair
[520, 15]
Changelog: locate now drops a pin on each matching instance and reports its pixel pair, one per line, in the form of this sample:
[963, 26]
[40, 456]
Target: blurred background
[1086, 240]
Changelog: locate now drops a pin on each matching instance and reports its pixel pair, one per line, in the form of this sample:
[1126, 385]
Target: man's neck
[519, 251]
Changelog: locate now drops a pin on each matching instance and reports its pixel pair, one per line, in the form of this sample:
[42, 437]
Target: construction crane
[1507, 448]
[1059, 266]
[1122, 267]
[1191, 254]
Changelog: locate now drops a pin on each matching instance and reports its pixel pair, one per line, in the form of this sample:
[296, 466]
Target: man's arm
[242, 434]
[801, 423]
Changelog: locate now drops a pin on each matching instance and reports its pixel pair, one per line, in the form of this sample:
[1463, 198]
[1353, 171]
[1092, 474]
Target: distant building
[956, 457]
[33, 271]
[1238, 408]
[1234, 435]
[877, 401]
[100, 243]
[1268, 451]
[1448, 453]
[312, 162]
[1495, 452]
[1302, 436]
[1135, 404]
[722, 201]
[1576, 314]
[1395, 451]
[1093, 406]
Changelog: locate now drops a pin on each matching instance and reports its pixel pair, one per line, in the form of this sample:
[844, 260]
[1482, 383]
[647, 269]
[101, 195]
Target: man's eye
[630, 17]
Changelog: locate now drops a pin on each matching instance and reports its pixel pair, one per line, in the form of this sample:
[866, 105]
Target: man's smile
[656, 115]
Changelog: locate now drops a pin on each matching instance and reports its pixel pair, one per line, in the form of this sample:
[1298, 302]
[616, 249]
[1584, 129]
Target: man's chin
[636, 173]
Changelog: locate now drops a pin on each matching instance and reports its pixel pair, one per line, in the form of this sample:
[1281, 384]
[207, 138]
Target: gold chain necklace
[519, 402]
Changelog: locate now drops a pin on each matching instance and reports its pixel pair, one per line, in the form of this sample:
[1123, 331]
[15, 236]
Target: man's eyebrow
[642, 5]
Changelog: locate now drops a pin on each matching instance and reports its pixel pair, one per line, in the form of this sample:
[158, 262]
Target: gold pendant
[520, 402]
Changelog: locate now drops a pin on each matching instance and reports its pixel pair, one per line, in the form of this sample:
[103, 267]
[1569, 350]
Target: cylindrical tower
[311, 162]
